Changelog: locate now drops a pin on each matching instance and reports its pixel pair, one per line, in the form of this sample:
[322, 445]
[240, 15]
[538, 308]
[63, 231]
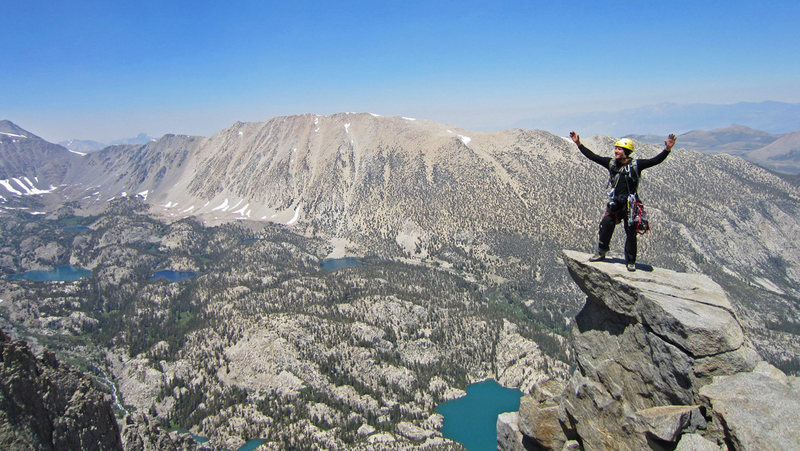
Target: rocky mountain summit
[662, 363]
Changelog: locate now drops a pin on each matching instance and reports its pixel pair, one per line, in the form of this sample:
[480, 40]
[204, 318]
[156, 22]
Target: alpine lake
[64, 273]
[472, 419]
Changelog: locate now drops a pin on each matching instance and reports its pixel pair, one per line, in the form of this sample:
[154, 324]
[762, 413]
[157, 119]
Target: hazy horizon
[97, 71]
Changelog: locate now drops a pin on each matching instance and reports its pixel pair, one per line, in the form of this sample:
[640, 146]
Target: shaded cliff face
[49, 405]
[660, 355]
[45, 404]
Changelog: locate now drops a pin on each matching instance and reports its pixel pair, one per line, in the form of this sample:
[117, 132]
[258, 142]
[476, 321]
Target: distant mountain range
[772, 117]
[86, 145]
[773, 151]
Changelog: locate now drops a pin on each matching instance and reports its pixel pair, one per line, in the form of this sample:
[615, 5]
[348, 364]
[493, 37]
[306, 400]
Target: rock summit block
[657, 355]
[690, 311]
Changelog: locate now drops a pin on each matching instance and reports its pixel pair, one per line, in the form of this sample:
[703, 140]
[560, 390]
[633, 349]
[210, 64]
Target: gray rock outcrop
[48, 405]
[662, 362]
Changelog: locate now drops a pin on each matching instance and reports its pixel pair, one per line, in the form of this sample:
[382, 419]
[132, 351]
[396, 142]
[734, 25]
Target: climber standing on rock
[624, 174]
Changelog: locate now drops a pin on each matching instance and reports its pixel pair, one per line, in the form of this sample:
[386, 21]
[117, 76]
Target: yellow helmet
[625, 143]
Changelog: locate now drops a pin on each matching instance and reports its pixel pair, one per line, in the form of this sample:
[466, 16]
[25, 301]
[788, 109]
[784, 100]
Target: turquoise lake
[173, 276]
[249, 446]
[472, 419]
[339, 263]
[61, 273]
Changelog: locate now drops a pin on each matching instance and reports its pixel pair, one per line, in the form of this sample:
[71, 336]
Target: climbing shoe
[598, 256]
[631, 267]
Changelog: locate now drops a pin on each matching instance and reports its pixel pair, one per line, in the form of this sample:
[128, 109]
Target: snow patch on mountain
[223, 206]
[296, 215]
[22, 186]
[9, 188]
[12, 135]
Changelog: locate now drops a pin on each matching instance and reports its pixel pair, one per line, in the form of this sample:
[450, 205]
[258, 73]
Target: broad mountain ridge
[783, 154]
[734, 140]
[773, 151]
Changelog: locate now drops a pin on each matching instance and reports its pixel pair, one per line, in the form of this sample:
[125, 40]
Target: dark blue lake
[472, 419]
[339, 263]
[76, 229]
[173, 276]
[61, 273]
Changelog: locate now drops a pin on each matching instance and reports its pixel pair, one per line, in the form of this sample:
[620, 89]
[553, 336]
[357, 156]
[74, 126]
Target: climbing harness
[637, 217]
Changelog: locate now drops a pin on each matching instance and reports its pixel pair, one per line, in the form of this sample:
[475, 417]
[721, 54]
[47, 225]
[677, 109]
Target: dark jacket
[623, 180]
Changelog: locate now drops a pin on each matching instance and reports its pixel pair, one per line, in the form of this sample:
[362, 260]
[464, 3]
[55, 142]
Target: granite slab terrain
[662, 362]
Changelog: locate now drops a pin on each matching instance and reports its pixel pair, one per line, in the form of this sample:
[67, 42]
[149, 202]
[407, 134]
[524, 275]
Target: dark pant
[607, 224]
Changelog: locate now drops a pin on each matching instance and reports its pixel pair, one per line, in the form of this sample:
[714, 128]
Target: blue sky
[111, 69]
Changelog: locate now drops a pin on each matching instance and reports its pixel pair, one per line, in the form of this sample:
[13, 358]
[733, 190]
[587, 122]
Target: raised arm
[645, 163]
[588, 153]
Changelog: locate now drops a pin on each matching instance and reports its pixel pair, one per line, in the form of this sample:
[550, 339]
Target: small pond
[76, 229]
[62, 273]
[173, 276]
[472, 419]
[332, 264]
